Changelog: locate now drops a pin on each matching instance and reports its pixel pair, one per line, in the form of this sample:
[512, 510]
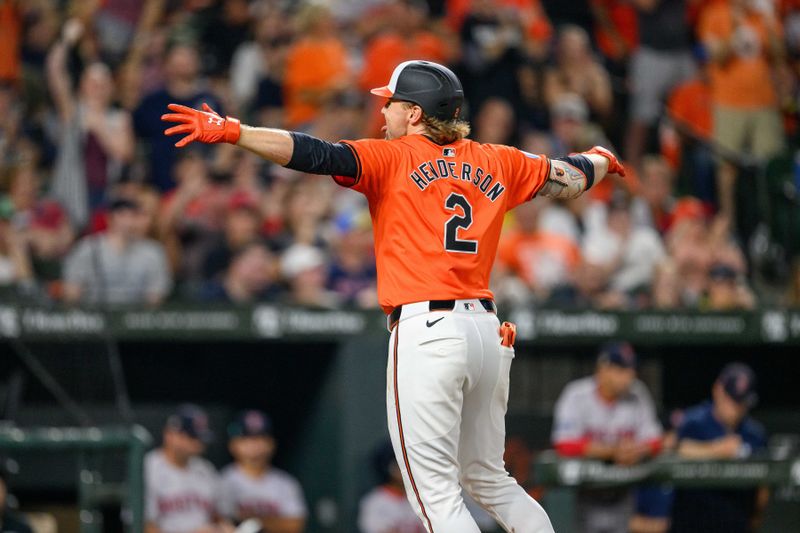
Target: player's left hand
[206, 126]
[614, 166]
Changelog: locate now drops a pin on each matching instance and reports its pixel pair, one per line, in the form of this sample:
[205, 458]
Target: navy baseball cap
[193, 421]
[739, 382]
[617, 353]
[250, 423]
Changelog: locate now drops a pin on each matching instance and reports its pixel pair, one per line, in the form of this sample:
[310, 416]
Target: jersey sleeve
[567, 424]
[293, 503]
[525, 173]
[377, 159]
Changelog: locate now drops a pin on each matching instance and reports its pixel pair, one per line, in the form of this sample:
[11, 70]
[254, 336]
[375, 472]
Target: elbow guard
[569, 177]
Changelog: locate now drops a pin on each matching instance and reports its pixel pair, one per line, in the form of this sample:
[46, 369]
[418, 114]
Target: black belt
[439, 305]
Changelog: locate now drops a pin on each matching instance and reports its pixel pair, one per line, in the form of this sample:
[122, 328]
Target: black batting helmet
[431, 86]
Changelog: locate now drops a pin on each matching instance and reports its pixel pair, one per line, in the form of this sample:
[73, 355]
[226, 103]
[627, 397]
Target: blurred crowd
[98, 207]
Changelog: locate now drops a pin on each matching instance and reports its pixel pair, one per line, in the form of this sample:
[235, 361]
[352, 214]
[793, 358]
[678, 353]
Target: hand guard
[565, 180]
[206, 126]
[614, 166]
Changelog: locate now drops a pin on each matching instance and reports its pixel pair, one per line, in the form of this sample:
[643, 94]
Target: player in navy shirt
[721, 429]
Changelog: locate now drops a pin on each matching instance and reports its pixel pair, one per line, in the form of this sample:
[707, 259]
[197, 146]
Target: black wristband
[582, 163]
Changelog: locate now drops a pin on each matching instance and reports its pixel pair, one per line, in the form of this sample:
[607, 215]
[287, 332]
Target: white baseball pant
[446, 397]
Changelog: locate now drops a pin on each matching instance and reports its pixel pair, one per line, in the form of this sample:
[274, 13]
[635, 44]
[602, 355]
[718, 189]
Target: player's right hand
[206, 126]
[614, 166]
[728, 447]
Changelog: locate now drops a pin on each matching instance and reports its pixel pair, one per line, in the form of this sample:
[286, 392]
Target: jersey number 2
[451, 241]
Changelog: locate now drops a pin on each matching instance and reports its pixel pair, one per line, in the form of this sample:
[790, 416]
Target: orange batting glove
[206, 126]
[614, 166]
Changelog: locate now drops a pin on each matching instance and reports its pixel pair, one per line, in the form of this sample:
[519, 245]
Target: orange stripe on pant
[400, 430]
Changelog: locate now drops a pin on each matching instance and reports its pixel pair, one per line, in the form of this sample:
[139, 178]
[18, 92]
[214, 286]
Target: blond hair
[443, 131]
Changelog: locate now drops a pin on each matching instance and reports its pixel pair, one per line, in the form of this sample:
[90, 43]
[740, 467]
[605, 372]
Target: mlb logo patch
[469, 306]
[449, 152]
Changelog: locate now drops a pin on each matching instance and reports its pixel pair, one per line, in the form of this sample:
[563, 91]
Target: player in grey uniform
[182, 488]
[608, 416]
[254, 489]
[385, 509]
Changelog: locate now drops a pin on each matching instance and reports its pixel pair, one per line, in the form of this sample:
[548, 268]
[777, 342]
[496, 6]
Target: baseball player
[251, 486]
[722, 429]
[609, 416]
[437, 201]
[385, 509]
[182, 488]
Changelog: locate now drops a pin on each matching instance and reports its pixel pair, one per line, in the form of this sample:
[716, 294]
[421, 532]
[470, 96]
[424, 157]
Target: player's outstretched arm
[207, 126]
[294, 150]
[573, 175]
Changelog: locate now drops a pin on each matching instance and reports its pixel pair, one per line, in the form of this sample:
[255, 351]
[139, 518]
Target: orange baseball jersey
[437, 212]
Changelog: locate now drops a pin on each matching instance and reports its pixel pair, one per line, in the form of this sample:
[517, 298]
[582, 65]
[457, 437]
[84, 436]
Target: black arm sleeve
[316, 156]
[582, 163]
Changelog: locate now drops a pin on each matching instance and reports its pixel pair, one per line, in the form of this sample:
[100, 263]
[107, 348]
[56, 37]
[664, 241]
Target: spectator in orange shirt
[743, 40]
[689, 104]
[616, 28]
[684, 139]
[406, 37]
[316, 67]
[542, 260]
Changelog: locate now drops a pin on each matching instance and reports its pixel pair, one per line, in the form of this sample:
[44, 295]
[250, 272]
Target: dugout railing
[93, 491]
[778, 470]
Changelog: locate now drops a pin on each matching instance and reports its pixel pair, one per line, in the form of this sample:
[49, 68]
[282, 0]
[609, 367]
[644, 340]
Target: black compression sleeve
[582, 163]
[316, 156]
